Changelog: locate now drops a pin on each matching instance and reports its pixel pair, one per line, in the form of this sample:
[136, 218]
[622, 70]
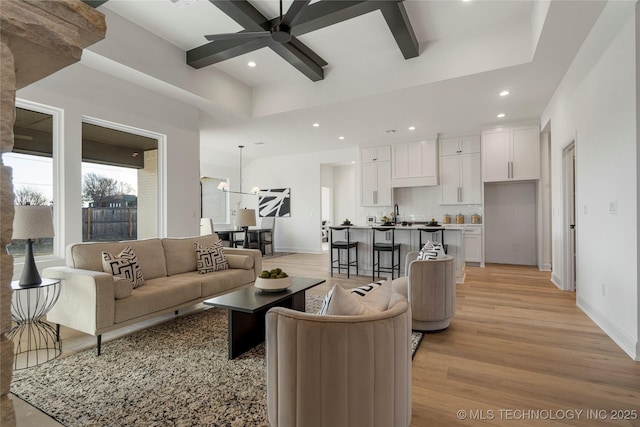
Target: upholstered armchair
[339, 371]
[430, 286]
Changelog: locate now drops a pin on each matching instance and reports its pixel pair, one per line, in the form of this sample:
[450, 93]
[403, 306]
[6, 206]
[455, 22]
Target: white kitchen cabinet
[464, 145]
[375, 154]
[473, 244]
[375, 179]
[415, 164]
[460, 175]
[511, 154]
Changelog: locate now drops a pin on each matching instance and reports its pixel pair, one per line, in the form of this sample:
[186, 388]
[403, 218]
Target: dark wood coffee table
[247, 307]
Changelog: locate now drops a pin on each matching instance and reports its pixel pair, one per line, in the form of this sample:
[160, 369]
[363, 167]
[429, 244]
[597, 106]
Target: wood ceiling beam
[214, 52]
[400, 26]
[296, 57]
[244, 14]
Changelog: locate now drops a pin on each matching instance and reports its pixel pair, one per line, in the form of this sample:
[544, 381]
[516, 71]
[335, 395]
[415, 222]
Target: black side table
[34, 340]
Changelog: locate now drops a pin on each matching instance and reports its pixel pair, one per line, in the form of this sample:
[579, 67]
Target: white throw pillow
[367, 299]
[375, 295]
[341, 302]
[124, 264]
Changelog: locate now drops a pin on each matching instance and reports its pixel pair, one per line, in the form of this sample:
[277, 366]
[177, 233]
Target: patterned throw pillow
[366, 299]
[125, 264]
[431, 250]
[209, 259]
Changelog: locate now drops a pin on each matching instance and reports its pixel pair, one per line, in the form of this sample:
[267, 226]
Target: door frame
[569, 276]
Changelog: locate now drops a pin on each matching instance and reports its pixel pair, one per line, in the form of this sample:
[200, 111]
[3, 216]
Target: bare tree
[97, 187]
[26, 195]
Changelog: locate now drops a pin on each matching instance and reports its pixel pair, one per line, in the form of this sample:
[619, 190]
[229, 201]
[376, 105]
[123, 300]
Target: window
[119, 183]
[32, 162]
[214, 201]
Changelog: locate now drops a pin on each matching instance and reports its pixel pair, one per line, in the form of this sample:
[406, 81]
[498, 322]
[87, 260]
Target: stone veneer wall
[37, 38]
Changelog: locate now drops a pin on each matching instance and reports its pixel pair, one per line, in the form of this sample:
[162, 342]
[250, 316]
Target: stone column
[37, 38]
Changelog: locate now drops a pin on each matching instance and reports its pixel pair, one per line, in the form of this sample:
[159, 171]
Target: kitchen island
[408, 236]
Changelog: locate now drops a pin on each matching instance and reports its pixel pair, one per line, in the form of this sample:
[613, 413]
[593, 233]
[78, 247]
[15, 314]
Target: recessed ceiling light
[259, 143]
[412, 128]
[341, 137]
[353, 162]
[251, 64]
[315, 125]
[135, 154]
[466, 1]
[390, 131]
[504, 93]
[501, 115]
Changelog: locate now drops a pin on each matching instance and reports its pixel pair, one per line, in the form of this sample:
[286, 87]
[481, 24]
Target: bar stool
[342, 245]
[433, 230]
[384, 247]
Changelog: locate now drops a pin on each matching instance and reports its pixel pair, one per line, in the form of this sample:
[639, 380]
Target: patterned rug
[172, 374]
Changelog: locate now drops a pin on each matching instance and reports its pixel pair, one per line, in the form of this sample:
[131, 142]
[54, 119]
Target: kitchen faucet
[396, 213]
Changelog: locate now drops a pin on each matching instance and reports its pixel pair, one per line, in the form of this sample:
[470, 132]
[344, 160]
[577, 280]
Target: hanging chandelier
[224, 186]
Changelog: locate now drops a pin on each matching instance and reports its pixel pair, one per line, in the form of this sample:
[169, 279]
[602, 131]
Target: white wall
[301, 173]
[81, 91]
[344, 200]
[596, 104]
[510, 223]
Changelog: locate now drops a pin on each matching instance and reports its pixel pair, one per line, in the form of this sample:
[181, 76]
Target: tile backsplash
[422, 204]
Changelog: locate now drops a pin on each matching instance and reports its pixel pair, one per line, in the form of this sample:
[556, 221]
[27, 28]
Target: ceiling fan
[280, 33]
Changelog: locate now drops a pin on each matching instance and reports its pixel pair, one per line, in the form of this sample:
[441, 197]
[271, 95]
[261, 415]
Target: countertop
[413, 227]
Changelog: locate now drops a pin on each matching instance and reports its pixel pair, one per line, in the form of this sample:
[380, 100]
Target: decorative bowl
[272, 285]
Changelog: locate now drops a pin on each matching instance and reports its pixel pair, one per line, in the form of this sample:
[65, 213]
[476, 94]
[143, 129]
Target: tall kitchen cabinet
[460, 175]
[511, 154]
[375, 174]
[415, 164]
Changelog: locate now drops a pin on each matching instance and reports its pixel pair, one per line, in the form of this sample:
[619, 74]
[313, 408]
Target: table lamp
[31, 222]
[246, 218]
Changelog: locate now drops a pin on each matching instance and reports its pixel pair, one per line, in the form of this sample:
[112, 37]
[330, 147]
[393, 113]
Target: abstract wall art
[274, 202]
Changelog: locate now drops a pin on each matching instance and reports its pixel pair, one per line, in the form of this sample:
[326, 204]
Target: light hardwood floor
[518, 348]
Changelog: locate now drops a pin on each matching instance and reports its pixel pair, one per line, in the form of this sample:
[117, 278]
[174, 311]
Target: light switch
[613, 207]
[586, 209]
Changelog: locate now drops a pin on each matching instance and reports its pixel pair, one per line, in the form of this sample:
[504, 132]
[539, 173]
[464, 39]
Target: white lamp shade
[255, 190]
[223, 186]
[246, 217]
[32, 222]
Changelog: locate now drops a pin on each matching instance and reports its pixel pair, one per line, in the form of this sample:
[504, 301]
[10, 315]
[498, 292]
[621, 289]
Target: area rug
[172, 374]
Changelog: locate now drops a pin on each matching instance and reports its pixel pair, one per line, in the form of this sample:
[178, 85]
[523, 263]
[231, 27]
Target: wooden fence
[109, 224]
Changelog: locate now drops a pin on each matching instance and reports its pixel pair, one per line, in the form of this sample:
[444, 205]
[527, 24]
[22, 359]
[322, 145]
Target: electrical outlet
[586, 209]
[604, 289]
[516, 247]
[613, 207]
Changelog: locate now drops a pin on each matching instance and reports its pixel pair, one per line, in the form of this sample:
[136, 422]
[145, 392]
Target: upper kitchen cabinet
[415, 164]
[460, 176]
[375, 170]
[511, 154]
[375, 154]
[465, 145]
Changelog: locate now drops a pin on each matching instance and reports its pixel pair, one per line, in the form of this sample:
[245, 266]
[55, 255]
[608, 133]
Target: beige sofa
[96, 302]
[339, 371]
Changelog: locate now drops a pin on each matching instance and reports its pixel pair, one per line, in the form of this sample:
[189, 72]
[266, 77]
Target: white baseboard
[299, 250]
[626, 342]
[556, 281]
[545, 267]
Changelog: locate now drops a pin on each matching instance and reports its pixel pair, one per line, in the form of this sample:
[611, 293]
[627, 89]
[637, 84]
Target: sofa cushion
[124, 264]
[242, 262]
[180, 255]
[123, 287]
[224, 280]
[150, 254]
[210, 258]
[156, 295]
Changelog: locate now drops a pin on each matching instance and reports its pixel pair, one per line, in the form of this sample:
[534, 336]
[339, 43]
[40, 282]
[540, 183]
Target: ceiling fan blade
[236, 36]
[294, 11]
